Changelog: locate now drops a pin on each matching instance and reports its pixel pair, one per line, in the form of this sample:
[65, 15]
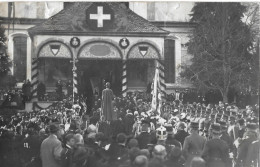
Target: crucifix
[100, 16]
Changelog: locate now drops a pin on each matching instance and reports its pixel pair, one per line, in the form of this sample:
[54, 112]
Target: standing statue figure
[107, 103]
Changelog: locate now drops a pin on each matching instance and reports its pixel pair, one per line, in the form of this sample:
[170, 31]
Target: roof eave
[100, 33]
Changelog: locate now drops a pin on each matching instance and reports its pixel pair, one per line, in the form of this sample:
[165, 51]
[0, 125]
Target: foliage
[222, 45]
[5, 62]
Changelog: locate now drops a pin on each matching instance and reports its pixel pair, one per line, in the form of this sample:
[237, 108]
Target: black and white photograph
[129, 83]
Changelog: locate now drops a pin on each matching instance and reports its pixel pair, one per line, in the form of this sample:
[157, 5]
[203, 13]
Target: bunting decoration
[34, 77]
[160, 65]
[124, 79]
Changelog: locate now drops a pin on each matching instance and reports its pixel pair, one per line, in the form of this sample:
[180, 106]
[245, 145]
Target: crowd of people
[189, 135]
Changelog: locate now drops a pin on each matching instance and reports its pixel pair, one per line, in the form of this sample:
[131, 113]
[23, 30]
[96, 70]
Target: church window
[19, 58]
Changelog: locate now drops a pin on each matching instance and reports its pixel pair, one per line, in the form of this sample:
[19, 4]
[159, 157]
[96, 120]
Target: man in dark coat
[171, 141]
[129, 122]
[249, 137]
[145, 137]
[193, 144]
[215, 151]
[224, 135]
[118, 151]
[67, 152]
[59, 90]
[41, 90]
[181, 133]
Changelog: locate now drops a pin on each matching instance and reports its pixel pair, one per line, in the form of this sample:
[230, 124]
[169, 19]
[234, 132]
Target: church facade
[91, 43]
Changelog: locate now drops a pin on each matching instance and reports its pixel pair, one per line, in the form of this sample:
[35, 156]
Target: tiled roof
[73, 21]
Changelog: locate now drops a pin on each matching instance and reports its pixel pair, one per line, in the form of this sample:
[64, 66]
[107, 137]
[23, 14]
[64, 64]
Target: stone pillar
[124, 79]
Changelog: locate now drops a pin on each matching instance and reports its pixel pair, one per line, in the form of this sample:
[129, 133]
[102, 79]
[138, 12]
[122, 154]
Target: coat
[193, 147]
[216, 153]
[51, 152]
[144, 139]
[107, 105]
[181, 135]
[243, 148]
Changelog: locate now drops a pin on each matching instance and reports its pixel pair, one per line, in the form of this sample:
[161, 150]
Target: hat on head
[92, 129]
[175, 153]
[169, 128]
[194, 125]
[251, 126]
[232, 118]
[212, 116]
[159, 150]
[100, 136]
[181, 125]
[141, 160]
[175, 110]
[53, 128]
[216, 128]
[132, 143]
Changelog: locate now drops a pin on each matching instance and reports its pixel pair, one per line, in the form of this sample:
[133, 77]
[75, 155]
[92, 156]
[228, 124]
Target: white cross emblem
[100, 17]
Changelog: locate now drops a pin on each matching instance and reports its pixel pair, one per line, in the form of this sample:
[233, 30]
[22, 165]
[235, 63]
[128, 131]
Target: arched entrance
[99, 62]
[141, 63]
[53, 64]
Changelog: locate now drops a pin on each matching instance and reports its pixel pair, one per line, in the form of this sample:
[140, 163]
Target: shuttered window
[169, 53]
[19, 59]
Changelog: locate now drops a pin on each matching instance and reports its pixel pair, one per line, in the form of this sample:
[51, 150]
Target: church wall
[32, 9]
[163, 11]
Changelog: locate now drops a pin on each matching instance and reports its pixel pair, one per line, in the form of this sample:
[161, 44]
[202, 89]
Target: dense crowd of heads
[139, 137]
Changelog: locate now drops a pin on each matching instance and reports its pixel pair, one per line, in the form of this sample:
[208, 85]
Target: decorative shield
[143, 50]
[55, 48]
[75, 42]
[124, 43]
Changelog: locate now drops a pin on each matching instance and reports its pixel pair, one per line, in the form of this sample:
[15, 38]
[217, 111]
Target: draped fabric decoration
[160, 65]
[124, 79]
[34, 77]
[75, 83]
[36, 106]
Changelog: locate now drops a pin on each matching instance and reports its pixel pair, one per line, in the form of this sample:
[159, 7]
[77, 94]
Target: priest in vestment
[107, 103]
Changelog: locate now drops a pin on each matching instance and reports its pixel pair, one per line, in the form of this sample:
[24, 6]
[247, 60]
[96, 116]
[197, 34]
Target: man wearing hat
[232, 129]
[215, 152]
[170, 140]
[51, 148]
[249, 137]
[193, 144]
[181, 134]
[224, 135]
[145, 137]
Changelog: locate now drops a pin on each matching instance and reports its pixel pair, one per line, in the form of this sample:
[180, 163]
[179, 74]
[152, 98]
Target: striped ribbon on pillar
[161, 77]
[75, 83]
[124, 79]
[35, 74]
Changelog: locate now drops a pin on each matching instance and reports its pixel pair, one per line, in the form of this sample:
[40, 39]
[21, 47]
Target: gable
[97, 17]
